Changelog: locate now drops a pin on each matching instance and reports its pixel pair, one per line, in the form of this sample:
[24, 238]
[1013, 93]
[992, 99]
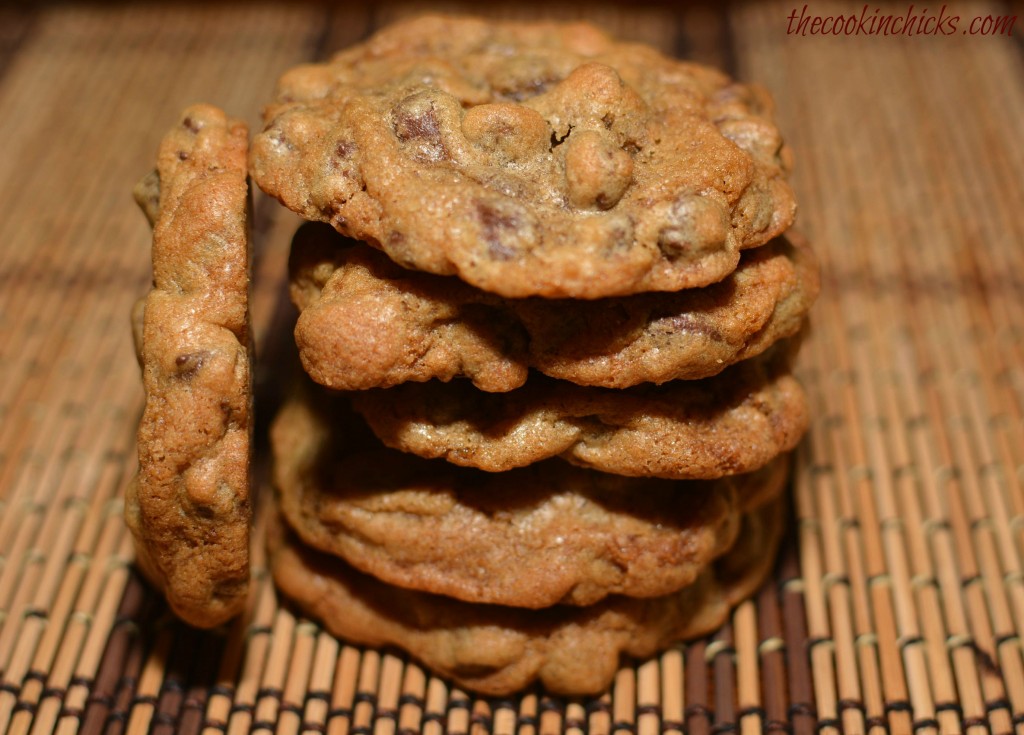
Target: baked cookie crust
[189, 506]
[732, 423]
[533, 537]
[529, 159]
[499, 650]
[366, 322]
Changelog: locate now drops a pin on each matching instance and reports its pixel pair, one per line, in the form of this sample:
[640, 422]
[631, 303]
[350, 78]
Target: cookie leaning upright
[189, 506]
[529, 159]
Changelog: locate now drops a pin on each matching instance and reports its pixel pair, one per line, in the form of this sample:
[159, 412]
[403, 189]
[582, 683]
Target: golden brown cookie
[531, 537]
[498, 650]
[732, 423]
[529, 159]
[368, 323]
[189, 506]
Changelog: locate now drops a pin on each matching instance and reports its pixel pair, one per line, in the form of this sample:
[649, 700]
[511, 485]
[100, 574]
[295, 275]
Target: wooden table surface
[898, 604]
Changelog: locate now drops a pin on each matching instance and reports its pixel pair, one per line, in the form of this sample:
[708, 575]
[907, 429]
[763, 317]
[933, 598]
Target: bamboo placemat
[898, 602]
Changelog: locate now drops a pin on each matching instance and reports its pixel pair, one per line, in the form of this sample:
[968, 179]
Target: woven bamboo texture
[898, 603]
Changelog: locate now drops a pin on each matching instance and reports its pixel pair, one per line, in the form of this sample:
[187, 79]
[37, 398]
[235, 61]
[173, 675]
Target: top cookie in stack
[582, 264]
[529, 159]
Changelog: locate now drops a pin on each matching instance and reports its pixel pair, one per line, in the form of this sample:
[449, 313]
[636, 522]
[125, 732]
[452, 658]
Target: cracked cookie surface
[536, 536]
[366, 322]
[499, 650]
[529, 159]
[189, 506]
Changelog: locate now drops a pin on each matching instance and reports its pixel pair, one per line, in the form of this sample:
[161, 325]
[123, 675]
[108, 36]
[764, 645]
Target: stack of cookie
[549, 307]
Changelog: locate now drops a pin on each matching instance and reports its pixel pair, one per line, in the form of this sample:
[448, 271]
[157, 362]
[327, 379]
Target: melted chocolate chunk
[497, 226]
[190, 363]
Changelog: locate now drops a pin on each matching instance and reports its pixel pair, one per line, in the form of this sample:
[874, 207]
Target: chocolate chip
[189, 363]
[693, 224]
[344, 149]
[415, 121]
[522, 77]
[688, 323]
[530, 88]
[277, 136]
[417, 127]
[191, 125]
[497, 226]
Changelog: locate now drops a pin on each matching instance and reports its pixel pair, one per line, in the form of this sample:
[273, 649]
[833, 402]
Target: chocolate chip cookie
[368, 323]
[544, 534]
[529, 159]
[732, 423]
[189, 506]
[499, 650]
